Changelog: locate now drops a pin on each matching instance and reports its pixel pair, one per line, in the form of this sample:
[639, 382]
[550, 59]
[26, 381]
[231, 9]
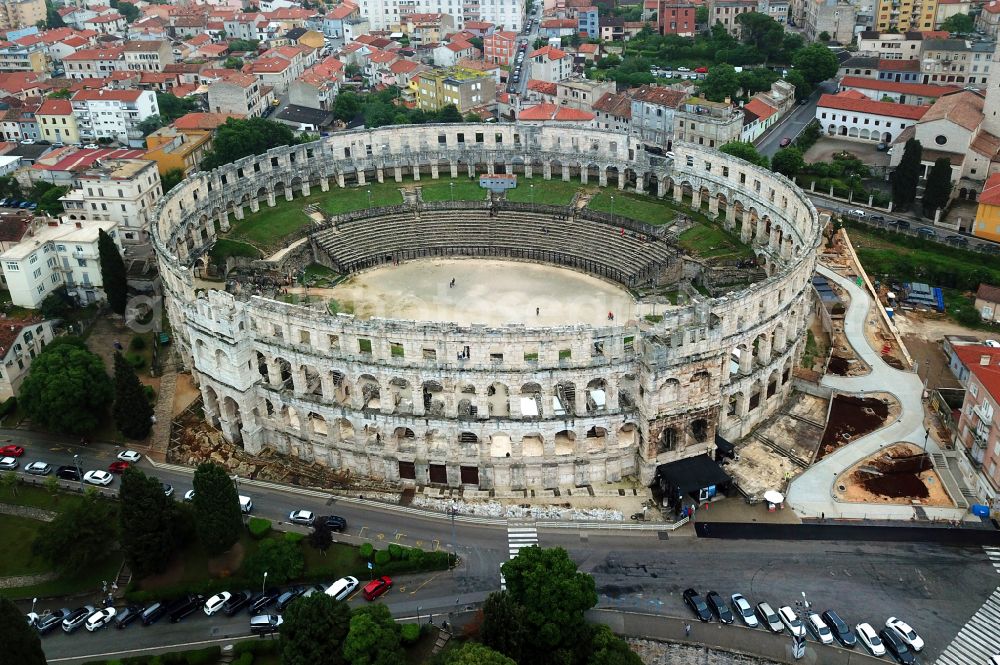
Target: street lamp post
[927, 435]
[79, 471]
[264, 583]
[451, 186]
[369, 198]
[419, 610]
[612, 209]
[453, 511]
[532, 194]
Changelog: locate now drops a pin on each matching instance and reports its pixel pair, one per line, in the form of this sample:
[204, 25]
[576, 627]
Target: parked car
[127, 615]
[11, 451]
[957, 240]
[24, 204]
[215, 603]
[69, 473]
[342, 588]
[168, 490]
[153, 613]
[791, 621]
[53, 619]
[867, 637]
[304, 517]
[38, 469]
[8, 463]
[900, 224]
[313, 589]
[285, 599]
[927, 232]
[189, 495]
[185, 607]
[785, 142]
[237, 602]
[100, 618]
[896, 646]
[818, 628]
[769, 618]
[118, 467]
[98, 478]
[906, 633]
[265, 624]
[77, 618]
[377, 587]
[334, 523]
[719, 607]
[857, 212]
[697, 605]
[129, 456]
[877, 218]
[262, 600]
[743, 608]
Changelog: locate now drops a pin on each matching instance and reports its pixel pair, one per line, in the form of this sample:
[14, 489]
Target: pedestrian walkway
[978, 639]
[520, 534]
[994, 555]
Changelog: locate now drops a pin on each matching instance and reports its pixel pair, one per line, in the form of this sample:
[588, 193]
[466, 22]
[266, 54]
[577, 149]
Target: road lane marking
[421, 585]
[399, 535]
[380, 536]
[419, 544]
[978, 639]
[361, 534]
[437, 545]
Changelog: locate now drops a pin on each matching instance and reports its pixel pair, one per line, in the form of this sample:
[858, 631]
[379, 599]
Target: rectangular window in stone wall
[407, 471]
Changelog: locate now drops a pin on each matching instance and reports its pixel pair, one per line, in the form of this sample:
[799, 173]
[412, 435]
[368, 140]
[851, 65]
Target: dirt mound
[850, 419]
[838, 365]
[895, 474]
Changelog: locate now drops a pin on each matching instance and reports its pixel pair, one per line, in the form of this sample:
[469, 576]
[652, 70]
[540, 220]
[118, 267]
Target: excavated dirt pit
[850, 419]
[900, 474]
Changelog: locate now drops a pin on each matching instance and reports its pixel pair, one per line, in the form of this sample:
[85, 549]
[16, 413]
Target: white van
[342, 588]
[246, 504]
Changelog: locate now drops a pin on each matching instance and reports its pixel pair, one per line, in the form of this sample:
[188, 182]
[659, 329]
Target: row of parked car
[264, 607]
[9, 461]
[897, 638]
[13, 202]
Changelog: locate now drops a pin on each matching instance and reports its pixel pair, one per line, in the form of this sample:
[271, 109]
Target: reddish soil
[837, 365]
[899, 471]
[850, 419]
[892, 361]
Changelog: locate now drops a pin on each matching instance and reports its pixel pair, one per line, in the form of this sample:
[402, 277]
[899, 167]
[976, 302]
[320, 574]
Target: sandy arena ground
[486, 291]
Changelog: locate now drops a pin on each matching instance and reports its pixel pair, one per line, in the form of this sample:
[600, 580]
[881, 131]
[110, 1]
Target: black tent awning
[723, 447]
[691, 475]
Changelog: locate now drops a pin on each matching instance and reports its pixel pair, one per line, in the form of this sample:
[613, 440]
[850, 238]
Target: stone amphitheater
[502, 407]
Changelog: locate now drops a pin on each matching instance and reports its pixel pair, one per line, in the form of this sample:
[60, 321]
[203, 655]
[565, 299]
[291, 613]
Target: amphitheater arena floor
[486, 291]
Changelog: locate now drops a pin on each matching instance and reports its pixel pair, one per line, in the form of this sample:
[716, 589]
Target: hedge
[256, 647]
[259, 527]
[205, 656]
[410, 633]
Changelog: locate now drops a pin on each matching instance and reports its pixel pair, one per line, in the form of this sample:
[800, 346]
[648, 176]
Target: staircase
[444, 636]
[944, 472]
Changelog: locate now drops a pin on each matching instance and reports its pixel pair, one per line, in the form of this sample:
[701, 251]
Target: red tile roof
[341, 11]
[552, 53]
[554, 112]
[81, 160]
[991, 191]
[899, 65]
[890, 109]
[988, 292]
[544, 87]
[760, 109]
[11, 330]
[918, 89]
[204, 120]
[111, 53]
[115, 95]
[992, 7]
[972, 355]
[55, 107]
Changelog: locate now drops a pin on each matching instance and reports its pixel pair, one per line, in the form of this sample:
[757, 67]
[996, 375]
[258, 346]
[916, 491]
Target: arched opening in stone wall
[318, 424]
[372, 434]
[469, 443]
[531, 400]
[699, 430]
[565, 441]
[221, 359]
[341, 388]
[628, 392]
[532, 445]
[772, 384]
[667, 442]
[400, 395]
[371, 393]
[314, 386]
[498, 399]
[437, 443]
[466, 409]
[262, 367]
[670, 391]
[597, 396]
[345, 429]
[597, 438]
[212, 405]
[285, 374]
[232, 414]
[433, 402]
[403, 437]
[564, 402]
[733, 404]
[500, 445]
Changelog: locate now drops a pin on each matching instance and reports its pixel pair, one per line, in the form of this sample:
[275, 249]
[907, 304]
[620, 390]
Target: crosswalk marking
[519, 536]
[979, 638]
[993, 553]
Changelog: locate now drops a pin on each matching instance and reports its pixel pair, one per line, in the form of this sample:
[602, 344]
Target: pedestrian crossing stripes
[994, 555]
[519, 536]
[978, 639]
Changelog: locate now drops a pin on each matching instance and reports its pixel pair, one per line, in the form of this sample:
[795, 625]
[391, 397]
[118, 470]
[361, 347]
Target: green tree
[756, 79]
[21, 643]
[61, 93]
[937, 190]
[233, 63]
[788, 161]
[802, 87]
[281, 559]
[701, 15]
[373, 638]
[816, 62]
[503, 628]
[217, 516]
[320, 539]
[52, 18]
[960, 23]
[132, 411]
[57, 304]
[556, 631]
[241, 45]
[9, 187]
[171, 179]
[79, 536]
[313, 631]
[146, 518]
[150, 124]
[172, 107]
[906, 176]
[67, 388]
[720, 82]
[472, 653]
[236, 139]
[746, 152]
[10, 482]
[606, 648]
[762, 32]
[129, 11]
[113, 273]
[824, 36]
[449, 113]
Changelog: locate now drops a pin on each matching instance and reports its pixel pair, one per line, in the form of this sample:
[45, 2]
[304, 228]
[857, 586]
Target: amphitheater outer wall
[430, 402]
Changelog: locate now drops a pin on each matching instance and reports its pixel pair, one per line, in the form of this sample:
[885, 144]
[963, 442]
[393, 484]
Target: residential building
[448, 55]
[905, 15]
[979, 424]
[588, 21]
[317, 87]
[173, 149]
[758, 115]
[551, 64]
[94, 62]
[956, 61]
[113, 114]
[867, 67]
[558, 27]
[426, 28]
[674, 17]
[725, 12]
[581, 93]
[836, 18]
[148, 55]
[504, 14]
[56, 122]
[500, 47]
[377, 70]
[948, 8]
[111, 23]
[902, 93]
[239, 93]
[17, 58]
[706, 123]
[988, 296]
[652, 114]
[989, 19]
[61, 165]
[465, 88]
[890, 46]
[987, 226]
[21, 340]
[546, 113]
[57, 255]
[852, 115]
[333, 20]
[19, 123]
[613, 111]
[123, 191]
[21, 13]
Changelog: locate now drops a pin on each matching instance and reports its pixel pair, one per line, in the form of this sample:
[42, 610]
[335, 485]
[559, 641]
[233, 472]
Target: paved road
[794, 122]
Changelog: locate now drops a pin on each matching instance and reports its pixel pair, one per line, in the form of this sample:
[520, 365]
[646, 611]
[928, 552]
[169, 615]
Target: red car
[11, 451]
[701, 70]
[118, 467]
[377, 587]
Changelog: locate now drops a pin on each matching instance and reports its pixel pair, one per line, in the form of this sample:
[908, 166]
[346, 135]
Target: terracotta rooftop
[111, 53]
[616, 104]
[11, 330]
[760, 109]
[918, 89]
[661, 96]
[899, 65]
[988, 291]
[549, 52]
[341, 11]
[544, 87]
[964, 108]
[890, 109]
[972, 356]
[114, 95]
[555, 113]
[990, 196]
[55, 107]
[13, 227]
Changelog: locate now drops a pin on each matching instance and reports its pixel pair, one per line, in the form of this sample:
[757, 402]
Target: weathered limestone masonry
[441, 403]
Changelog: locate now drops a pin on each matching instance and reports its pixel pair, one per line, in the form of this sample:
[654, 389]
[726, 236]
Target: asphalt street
[794, 122]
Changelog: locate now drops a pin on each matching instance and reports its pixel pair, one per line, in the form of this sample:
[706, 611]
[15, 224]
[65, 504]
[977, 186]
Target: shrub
[245, 659]
[256, 647]
[8, 405]
[367, 549]
[410, 633]
[292, 537]
[259, 527]
[396, 552]
[382, 557]
[135, 360]
[138, 343]
[150, 393]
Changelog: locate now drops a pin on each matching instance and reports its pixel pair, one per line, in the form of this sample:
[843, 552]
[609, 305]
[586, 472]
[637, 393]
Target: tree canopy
[172, 107]
[280, 558]
[381, 108]
[816, 62]
[720, 83]
[171, 179]
[147, 519]
[21, 642]
[218, 520]
[606, 648]
[67, 388]
[762, 33]
[802, 87]
[47, 196]
[905, 178]
[313, 631]
[374, 637]
[128, 11]
[113, 273]
[473, 653]
[937, 191]
[503, 627]
[788, 161]
[238, 138]
[745, 151]
[80, 535]
[132, 411]
[959, 23]
[243, 45]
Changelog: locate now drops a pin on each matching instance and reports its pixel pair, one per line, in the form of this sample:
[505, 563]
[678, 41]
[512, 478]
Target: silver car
[8, 463]
[38, 469]
[742, 607]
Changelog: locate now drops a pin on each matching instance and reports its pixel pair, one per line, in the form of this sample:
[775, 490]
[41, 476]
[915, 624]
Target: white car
[792, 622]
[683, 69]
[342, 588]
[216, 602]
[819, 629]
[304, 517]
[129, 456]
[8, 463]
[742, 607]
[98, 477]
[189, 495]
[100, 618]
[857, 212]
[91, 146]
[27, 141]
[868, 637]
[906, 633]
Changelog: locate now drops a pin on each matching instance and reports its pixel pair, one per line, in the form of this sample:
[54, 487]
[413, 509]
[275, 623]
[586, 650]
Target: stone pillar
[745, 229]
[434, 170]
[761, 231]
[416, 171]
[696, 199]
[661, 187]
[224, 220]
[491, 166]
[329, 390]
[547, 170]
[746, 360]
[273, 372]
[527, 169]
[398, 173]
[621, 179]
[238, 211]
[743, 405]
[678, 192]
[612, 395]
[289, 194]
[713, 205]
[254, 205]
[380, 174]
[324, 184]
[602, 177]
[361, 177]
[472, 170]
[340, 179]
[781, 337]
[730, 216]
[299, 383]
[565, 172]
[418, 400]
[584, 173]
[270, 198]
[764, 350]
[581, 405]
[640, 185]
[306, 189]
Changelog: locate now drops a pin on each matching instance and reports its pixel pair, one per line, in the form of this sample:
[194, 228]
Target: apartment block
[122, 191]
[465, 88]
[113, 114]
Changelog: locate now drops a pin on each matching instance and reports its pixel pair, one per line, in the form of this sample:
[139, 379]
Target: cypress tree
[21, 643]
[113, 273]
[938, 188]
[217, 517]
[133, 412]
[906, 176]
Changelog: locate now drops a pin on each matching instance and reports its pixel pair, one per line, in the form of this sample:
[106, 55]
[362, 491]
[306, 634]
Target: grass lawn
[338, 201]
[266, 227]
[339, 560]
[634, 206]
[86, 581]
[224, 248]
[320, 275]
[712, 241]
[548, 192]
[15, 546]
[39, 497]
[193, 566]
[464, 189]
